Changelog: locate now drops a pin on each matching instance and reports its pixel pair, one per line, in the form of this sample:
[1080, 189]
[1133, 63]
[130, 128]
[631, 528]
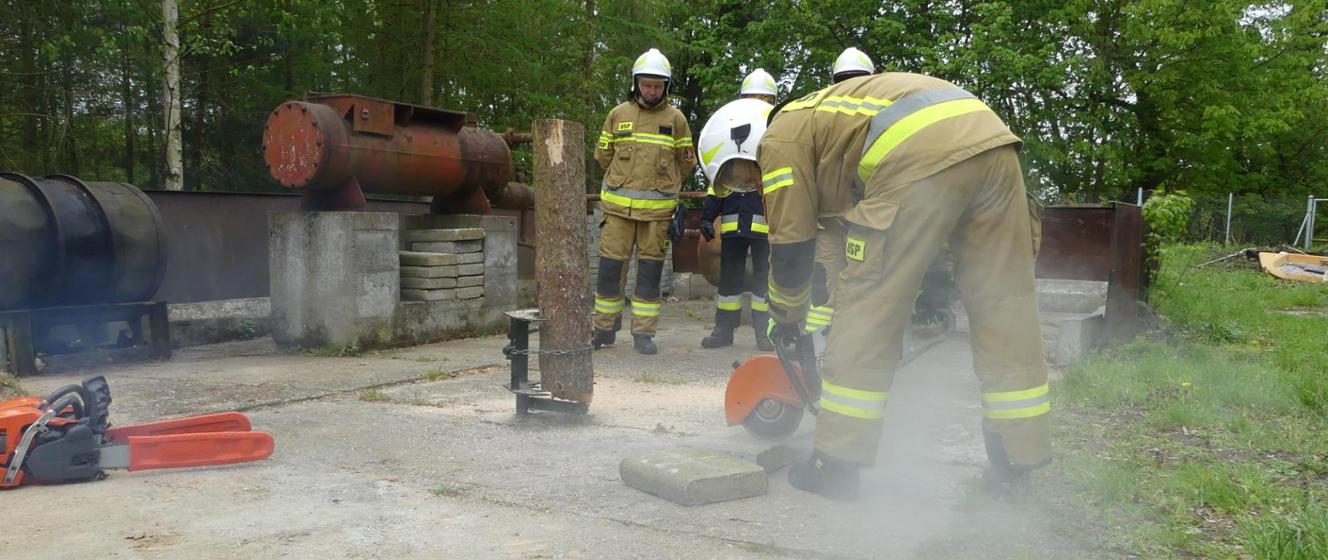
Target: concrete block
[470, 258]
[377, 296]
[461, 234]
[428, 283]
[448, 246]
[470, 269]
[413, 258]
[468, 281]
[427, 295]
[470, 293]
[693, 476]
[770, 455]
[356, 288]
[1070, 296]
[449, 271]
[1078, 335]
[369, 253]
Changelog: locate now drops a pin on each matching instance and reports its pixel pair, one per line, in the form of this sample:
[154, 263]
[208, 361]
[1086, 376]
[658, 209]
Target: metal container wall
[68, 242]
[336, 144]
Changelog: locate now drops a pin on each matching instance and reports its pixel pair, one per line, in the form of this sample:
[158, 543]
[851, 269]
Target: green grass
[347, 351]
[374, 395]
[436, 374]
[9, 385]
[447, 491]
[1208, 437]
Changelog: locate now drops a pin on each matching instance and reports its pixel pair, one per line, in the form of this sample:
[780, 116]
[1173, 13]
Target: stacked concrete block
[442, 264]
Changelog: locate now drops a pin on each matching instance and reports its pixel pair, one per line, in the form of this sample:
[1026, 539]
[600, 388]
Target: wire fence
[1252, 220]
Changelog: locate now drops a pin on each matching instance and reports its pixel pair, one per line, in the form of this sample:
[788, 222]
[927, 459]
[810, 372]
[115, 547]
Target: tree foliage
[1110, 96]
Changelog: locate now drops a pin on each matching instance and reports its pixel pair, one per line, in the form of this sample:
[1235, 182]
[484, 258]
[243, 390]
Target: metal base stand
[530, 395]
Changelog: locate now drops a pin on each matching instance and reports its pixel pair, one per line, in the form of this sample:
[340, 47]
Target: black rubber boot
[763, 342]
[827, 476]
[718, 338]
[602, 339]
[644, 344]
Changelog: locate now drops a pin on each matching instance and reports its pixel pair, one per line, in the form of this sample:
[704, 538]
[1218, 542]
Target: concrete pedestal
[335, 278]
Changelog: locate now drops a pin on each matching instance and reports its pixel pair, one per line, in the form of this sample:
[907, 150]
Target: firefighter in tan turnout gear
[646, 151]
[904, 163]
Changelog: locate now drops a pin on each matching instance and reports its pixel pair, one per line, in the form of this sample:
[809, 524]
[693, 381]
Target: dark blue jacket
[741, 214]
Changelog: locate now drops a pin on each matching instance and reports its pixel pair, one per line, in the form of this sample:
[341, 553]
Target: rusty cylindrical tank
[71, 242]
[336, 147]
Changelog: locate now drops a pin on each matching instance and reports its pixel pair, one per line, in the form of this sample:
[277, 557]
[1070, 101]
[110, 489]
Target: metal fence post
[1308, 222]
[1230, 197]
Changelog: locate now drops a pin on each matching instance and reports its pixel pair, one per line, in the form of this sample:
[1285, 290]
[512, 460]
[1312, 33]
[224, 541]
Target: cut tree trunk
[560, 271]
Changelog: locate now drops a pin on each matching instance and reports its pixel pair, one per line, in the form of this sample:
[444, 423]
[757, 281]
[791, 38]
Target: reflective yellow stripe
[859, 394]
[1009, 396]
[653, 139]
[777, 179]
[609, 306]
[728, 226]
[760, 228]
[759, 304]
[729, 303]
[910, 125]
[645, 309]
[683, 143]
[853, 105]
[781, 171]
[789, 300]
[1008, 405]
[806, 101]
[857, 403]
[643, 203]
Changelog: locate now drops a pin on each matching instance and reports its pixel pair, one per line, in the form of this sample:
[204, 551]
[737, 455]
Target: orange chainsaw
[66, 437]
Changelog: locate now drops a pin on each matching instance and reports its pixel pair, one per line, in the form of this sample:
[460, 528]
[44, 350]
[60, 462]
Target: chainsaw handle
[83, 404]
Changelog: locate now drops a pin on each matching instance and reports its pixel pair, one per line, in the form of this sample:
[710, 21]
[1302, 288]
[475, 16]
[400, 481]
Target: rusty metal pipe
[336, 147]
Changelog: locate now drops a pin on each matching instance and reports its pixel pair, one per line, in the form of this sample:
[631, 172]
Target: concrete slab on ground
[693, 476]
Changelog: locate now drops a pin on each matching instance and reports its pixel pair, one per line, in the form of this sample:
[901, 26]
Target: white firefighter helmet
[652, 63]
[730, 135]
[852, 63]
[759, 82]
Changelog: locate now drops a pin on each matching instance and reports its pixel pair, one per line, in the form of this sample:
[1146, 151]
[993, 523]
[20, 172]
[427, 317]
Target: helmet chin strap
[647, 103]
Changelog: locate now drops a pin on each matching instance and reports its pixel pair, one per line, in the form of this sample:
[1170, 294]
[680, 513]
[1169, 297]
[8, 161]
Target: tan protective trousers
[979, 205]
[617, 237]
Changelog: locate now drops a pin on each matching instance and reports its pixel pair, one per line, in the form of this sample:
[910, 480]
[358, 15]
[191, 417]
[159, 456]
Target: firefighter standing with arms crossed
[905, 162]
[727, 148]
[646, 151]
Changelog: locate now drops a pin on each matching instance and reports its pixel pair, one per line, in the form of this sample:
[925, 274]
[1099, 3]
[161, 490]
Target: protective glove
[782, 333]
[707, 230]
[678, 222]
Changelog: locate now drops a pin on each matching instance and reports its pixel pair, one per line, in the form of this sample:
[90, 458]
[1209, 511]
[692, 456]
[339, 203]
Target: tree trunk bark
[564, 300]
[194, 167]
[28, 66]
[174, 179]
[427, 47]
[127, 100]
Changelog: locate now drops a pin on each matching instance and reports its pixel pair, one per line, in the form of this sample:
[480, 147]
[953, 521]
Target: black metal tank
[64, 241]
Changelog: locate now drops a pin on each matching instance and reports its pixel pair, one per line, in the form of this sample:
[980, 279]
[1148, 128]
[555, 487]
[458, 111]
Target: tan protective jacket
[645, 154]
[826, 154]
